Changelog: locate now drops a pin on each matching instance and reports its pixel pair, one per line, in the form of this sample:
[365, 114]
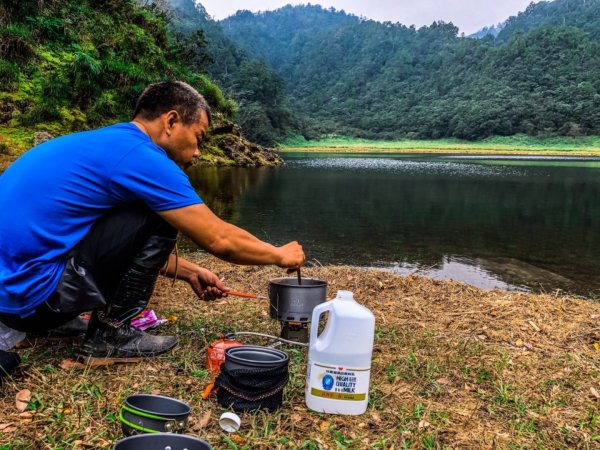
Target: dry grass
[453, 367]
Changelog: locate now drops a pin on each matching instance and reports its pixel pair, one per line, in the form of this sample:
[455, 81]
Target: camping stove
[292, 304]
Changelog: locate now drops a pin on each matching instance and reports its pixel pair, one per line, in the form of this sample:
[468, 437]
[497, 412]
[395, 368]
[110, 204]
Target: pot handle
[314, 327]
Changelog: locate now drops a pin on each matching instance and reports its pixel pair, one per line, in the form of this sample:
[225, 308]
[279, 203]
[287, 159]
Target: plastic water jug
[339, 359]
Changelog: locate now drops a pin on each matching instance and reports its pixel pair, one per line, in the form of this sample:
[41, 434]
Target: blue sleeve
[146, 173]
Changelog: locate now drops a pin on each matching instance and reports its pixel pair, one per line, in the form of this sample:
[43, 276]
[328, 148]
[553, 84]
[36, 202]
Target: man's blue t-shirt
[52, 195]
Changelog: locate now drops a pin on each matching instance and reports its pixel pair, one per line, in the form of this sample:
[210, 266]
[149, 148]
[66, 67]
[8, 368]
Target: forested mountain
[264, 113]
[363, 78]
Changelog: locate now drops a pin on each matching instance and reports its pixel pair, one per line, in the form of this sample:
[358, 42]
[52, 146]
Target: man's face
[181, 144]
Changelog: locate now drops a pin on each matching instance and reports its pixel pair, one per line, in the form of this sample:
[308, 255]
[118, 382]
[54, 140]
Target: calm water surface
[510, 222]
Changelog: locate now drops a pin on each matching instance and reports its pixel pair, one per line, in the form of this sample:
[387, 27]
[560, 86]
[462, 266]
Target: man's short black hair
[159, 98]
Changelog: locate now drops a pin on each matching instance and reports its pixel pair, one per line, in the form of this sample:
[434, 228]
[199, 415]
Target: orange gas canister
[215, 354]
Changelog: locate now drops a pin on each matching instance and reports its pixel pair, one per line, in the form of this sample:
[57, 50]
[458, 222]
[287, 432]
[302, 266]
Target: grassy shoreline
[514, 145]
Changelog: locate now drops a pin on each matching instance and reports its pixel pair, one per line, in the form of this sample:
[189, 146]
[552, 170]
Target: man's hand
[206, 284]
[291, 255]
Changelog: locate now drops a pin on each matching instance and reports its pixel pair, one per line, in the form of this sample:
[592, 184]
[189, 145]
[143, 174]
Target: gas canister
[215, 353]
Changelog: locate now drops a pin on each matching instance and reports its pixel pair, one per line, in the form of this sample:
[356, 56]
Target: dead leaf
[533, 325]
[519, 343]
[594, 392]
[4, 426]
[324, 425]
[237, 439]
[443, 381]
[597, 346]
[155, 392]
[296, 418]
[376, 417]
[424, 424]
[22, 399]
[26, 415]
[202, 422]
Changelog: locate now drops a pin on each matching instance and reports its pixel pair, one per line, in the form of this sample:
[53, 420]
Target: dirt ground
[453, 367]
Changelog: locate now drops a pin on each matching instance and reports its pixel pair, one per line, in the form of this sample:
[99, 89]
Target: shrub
[15, 43]
[9, 74]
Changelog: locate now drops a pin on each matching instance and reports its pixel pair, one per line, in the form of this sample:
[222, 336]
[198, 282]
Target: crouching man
[89, 221]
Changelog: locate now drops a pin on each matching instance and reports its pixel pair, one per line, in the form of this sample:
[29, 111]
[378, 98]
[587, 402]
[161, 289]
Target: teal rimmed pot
[161, 441]
[146, 413]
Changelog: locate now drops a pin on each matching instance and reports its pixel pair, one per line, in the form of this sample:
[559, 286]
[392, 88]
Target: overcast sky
[468, 15]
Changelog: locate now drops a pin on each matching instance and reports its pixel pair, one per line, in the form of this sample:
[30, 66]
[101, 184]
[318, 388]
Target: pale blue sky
[468, 15]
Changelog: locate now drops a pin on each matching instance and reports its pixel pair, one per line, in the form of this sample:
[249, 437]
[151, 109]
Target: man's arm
[228, 242]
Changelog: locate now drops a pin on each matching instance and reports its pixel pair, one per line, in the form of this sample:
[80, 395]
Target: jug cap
[344, 295]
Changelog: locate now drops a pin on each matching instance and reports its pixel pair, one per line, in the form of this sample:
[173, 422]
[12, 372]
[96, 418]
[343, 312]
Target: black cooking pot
[161, 441]
[145, 413]
[293, 302]
[254, 357]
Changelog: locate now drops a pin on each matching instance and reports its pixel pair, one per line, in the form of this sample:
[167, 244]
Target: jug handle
[317, 311]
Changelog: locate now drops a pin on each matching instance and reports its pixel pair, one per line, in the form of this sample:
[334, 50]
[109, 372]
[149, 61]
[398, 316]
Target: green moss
[15, 141]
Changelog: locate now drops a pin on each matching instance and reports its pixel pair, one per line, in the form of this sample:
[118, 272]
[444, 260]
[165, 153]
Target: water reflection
[222, 187]
[520, 225]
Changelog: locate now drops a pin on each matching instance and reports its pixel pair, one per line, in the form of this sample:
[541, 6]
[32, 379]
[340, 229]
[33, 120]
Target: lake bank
[453, 366]
[511, 145]
[462, 150]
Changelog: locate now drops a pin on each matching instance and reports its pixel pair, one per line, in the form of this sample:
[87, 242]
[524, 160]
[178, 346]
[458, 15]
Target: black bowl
[161, 441]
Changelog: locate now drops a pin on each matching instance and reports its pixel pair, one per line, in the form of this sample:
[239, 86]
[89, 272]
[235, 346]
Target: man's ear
[170, 119]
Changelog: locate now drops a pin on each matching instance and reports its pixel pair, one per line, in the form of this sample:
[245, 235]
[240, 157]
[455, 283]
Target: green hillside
[71, 65]
[356, 77]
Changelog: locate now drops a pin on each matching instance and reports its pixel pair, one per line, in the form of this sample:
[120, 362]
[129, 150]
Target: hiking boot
[124, 341]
